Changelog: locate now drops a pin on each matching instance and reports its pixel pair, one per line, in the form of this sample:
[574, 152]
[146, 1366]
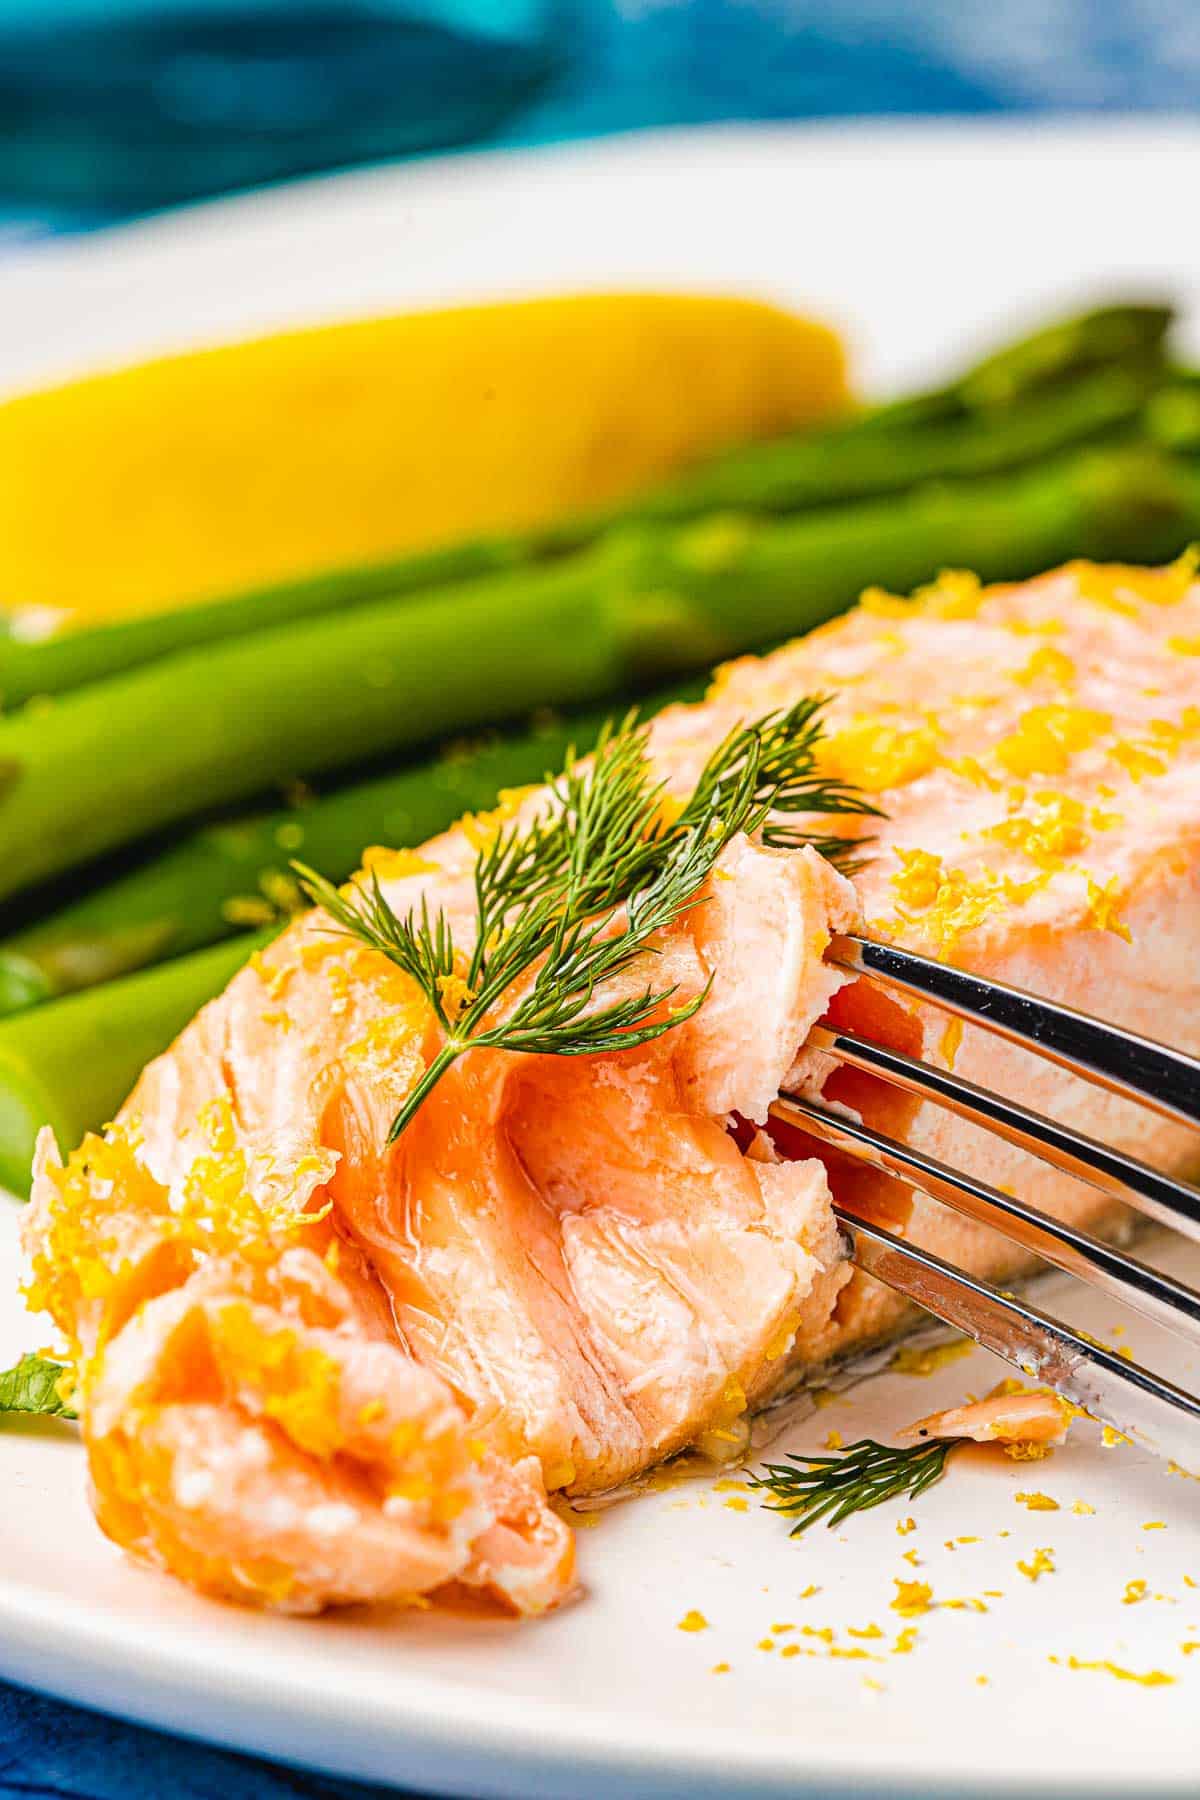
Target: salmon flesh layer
[316, 1369]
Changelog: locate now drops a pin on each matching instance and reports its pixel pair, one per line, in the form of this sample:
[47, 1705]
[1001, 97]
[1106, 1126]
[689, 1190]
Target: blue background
[661, 62]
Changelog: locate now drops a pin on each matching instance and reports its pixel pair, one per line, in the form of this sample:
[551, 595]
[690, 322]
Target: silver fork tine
[1140, 1405]
[1157, 1296]
[1166, 1079]
[1161, 1197]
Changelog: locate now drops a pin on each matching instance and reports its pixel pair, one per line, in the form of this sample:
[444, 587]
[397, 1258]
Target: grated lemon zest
[1041, 1563]
[912, 1598]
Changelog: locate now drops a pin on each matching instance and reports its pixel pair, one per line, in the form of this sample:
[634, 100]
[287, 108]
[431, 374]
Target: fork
[1141, 1406]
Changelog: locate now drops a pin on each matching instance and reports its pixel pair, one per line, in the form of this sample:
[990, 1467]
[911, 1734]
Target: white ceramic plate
[924, 242]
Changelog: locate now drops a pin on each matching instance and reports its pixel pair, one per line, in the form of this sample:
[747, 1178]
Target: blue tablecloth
[60, 1753]
[623, 64]
[661, 62]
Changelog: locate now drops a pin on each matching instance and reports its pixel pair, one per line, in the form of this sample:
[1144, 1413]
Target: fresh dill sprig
[784, 745]
[865, 1474]
[549, 893]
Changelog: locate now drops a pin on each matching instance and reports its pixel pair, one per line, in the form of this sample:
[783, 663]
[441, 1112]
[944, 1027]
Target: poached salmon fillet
[319, 1364]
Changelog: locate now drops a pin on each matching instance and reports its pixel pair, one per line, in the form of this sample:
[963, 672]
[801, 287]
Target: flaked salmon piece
[569, 1263]
[1015, 1415]
[248, 1429]
[600, 1259]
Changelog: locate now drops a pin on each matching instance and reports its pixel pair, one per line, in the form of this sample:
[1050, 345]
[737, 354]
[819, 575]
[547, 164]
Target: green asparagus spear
[112, 762]
[1022, 403]
[228, 876]
[69, 1065]
[54, 665]
[109, 763]
[1172, 413]
[1055, 353]
[839, 465]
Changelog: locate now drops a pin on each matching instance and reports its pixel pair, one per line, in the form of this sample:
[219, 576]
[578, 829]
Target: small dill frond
[580, 892]
[865, 1474]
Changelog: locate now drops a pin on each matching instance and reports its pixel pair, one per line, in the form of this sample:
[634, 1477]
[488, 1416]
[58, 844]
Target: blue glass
[127, 104]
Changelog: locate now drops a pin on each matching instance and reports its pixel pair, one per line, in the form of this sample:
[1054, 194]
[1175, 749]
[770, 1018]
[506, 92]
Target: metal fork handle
[1138, 1067]
[1141, 1406]
[1156, 1296]
[1161, 1197]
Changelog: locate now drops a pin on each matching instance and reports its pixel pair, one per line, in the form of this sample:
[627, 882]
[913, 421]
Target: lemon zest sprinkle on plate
[1152, 1677]
[1041, 1563]
[912, 1599]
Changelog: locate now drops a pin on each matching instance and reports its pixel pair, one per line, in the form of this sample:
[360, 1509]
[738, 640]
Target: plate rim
[452, 1735]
